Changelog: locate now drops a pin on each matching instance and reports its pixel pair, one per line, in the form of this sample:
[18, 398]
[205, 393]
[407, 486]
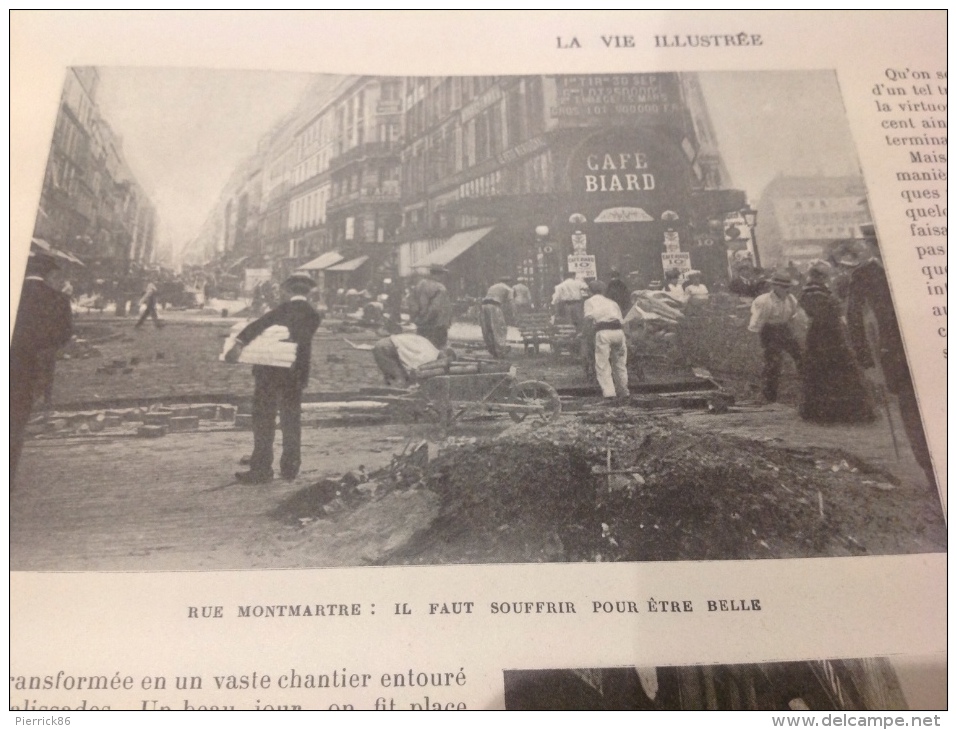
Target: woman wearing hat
[771, 317]
[832, 384]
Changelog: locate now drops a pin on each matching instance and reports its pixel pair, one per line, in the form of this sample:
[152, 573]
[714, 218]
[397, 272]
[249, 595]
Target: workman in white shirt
[398, 355]
[611, 350]
[771, 317]
[568, 298]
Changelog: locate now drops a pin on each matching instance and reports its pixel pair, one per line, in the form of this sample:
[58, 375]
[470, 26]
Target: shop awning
[42, 245]
[453, 248]
[323, 262]
[350, 265]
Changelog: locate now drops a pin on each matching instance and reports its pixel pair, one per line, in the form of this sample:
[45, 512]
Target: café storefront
[617, 173]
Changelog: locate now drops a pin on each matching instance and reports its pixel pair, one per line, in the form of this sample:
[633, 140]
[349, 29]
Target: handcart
[480, 387]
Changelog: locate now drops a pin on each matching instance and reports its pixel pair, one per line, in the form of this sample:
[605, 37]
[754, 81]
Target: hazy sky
[772, 122]
[184, 131]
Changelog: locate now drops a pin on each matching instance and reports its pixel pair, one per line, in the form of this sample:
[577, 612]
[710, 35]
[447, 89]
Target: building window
[390, 90]
[535, 103]
[481, 138]
[495, 129]
[515, 119]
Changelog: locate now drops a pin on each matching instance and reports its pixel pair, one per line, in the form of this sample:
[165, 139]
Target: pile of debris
[629, 486]
[407, 470]
[547, 494]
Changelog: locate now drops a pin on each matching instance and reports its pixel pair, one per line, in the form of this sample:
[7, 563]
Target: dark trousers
[777, 339]
[390, 364]
[277, 390]
[149, 311]
[21, 405]
[494, 330]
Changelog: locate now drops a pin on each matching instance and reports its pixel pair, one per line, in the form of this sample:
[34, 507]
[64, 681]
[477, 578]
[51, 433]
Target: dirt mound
[505, 501]
[621, 485]
[544, 494]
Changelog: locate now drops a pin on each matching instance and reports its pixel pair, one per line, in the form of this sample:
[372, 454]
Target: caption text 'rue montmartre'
[447, 608]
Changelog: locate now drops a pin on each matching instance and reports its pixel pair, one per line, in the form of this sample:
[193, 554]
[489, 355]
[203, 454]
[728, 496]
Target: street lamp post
[542, 250]
[750, 216]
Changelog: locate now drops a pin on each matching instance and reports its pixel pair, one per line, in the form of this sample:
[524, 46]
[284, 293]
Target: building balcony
[386, 194]
[367, 151]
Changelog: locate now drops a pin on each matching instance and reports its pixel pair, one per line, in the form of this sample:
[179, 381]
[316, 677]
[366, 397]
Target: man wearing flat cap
[771, 317]
[44, 324]
[279, 389]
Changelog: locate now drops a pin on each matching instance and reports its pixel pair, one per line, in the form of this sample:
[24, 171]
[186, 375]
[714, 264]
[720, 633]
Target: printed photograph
[295, 321]
[832, 685]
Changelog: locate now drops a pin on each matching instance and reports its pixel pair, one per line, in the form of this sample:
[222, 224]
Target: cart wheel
[536, 393]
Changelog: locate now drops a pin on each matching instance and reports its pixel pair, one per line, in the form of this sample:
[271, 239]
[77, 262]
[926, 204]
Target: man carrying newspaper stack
[280, 388]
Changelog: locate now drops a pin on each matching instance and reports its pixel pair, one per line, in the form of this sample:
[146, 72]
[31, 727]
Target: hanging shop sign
[680, 260]
[583, 266]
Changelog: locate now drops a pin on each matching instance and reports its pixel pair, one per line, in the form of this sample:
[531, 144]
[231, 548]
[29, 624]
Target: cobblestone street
[180, 359]
[108, 500]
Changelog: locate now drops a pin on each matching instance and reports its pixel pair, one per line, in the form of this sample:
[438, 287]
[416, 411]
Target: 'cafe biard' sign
[619, 172]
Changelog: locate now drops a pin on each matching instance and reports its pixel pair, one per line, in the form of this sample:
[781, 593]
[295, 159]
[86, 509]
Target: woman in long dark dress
[833, 386]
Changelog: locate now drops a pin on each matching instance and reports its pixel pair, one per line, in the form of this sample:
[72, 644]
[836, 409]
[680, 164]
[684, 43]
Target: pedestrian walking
[771, 318]
[44, 324]
[611, 351]
[279, 389]
[431, 307]
[148, 301]
[495, 314]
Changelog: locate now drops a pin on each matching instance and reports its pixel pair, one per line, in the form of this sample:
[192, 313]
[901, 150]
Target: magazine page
[478, 360]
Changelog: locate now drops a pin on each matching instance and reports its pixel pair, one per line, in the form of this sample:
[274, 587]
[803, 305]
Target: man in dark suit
[44, 324]
[280, 389]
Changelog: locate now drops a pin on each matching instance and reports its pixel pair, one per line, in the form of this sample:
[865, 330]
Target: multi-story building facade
[489, 176]
[496, 169]
[91, 204]
[805, 218]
